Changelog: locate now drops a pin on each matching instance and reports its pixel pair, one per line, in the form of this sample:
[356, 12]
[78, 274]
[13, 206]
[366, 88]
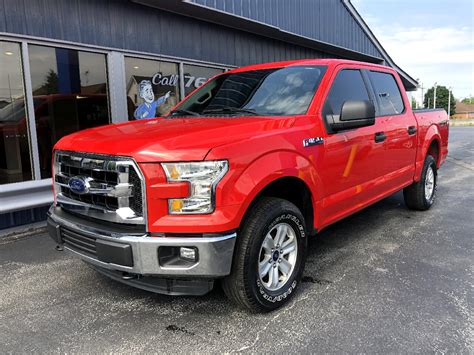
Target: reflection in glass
[195, 76]
[15, 161]
[270, 92]
[152, 87]
[70, 94]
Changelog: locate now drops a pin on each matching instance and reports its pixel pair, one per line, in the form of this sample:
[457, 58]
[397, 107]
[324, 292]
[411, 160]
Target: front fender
[242, 188]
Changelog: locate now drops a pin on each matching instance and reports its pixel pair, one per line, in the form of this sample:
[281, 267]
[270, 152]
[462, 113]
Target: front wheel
[269, 257]
[422, 194]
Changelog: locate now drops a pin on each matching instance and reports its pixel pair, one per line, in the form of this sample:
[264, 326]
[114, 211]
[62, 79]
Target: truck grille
[103, 187]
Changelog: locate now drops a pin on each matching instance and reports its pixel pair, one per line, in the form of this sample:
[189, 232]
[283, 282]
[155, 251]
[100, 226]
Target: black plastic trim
[421, 110]
[412, 130]
[114, 253]
[53, 229]
[167, 286]
[380, 137]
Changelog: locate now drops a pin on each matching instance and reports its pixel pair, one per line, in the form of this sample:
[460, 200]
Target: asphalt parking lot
[384, 280]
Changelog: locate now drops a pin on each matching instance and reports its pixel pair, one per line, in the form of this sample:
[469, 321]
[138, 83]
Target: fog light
[187, 253]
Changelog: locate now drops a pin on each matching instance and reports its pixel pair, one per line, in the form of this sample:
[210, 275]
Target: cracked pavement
[383, 280]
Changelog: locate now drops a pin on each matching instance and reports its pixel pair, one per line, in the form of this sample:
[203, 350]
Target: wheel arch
[430, 143]
[294, 190]
[434, 150]
[286, 175]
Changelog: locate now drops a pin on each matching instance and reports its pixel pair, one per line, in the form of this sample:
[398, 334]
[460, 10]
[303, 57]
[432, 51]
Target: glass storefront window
[15, 159]
[69, 94]
[195, 76]
[152, 87]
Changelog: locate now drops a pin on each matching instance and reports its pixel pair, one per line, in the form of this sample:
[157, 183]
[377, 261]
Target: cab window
[348, 85]
[387, 93]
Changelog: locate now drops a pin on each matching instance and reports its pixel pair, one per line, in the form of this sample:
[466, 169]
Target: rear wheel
[422, 194]
[269, 257]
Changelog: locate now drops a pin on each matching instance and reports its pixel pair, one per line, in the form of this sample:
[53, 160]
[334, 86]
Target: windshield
[273, 92]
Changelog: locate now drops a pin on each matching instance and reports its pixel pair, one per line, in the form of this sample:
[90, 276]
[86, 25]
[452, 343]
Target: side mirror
[354, 114]
[357, 110]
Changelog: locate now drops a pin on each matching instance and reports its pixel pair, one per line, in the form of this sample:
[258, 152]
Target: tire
[422, 194]
[269, 220]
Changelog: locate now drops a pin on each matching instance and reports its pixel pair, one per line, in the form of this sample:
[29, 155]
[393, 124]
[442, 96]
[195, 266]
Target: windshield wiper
[181, 111]
[230, 109]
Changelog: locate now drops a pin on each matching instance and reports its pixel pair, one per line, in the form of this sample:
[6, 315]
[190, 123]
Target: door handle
[412, 130]
[380, 137]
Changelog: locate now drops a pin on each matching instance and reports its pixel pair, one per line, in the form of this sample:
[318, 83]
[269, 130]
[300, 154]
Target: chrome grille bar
[99, 188]
[111, 188]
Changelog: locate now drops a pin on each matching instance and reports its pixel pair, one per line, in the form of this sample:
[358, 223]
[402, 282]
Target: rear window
[387, 92]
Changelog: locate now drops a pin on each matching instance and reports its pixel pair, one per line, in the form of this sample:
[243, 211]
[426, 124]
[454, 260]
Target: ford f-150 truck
[233, 181]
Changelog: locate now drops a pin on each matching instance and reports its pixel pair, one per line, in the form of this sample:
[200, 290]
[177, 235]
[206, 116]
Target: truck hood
[177, 139]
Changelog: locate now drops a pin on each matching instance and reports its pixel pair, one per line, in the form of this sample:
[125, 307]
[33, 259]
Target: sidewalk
[459, 122]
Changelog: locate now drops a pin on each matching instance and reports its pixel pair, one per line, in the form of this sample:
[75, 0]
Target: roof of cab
[328, 62]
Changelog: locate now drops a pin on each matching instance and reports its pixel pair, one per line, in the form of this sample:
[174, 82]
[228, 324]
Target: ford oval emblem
[79, 185]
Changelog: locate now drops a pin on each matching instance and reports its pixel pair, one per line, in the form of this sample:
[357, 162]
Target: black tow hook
[128, 276]
[59, 247]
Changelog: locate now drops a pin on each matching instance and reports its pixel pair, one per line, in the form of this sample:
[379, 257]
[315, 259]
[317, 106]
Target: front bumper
[139, 254]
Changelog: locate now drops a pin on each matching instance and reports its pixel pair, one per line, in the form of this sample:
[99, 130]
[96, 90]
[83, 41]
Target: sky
[431, 40]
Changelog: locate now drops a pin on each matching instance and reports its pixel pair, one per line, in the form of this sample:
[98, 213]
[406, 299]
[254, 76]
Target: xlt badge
[307, 142]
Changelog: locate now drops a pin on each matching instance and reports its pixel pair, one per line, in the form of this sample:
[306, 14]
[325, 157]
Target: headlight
[203, 178]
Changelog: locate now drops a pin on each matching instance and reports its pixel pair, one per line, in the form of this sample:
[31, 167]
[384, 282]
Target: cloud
[434, 43]
[441, 54]
[441, 46]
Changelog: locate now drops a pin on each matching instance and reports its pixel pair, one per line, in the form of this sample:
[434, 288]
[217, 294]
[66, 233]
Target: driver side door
[351, 163]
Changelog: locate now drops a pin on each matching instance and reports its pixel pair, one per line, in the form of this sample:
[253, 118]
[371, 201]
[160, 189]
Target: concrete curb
[11, 234]
[461, 122]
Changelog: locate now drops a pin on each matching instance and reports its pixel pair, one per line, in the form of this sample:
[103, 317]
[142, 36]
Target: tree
[442, 93]
[413, 103]
[468, 100]
[50, 85]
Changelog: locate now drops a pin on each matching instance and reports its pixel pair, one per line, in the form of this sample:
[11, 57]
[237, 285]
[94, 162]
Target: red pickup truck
[231, 183]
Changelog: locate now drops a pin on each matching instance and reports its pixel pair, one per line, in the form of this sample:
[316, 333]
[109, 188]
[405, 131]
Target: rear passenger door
[399, 126]
[351, 161]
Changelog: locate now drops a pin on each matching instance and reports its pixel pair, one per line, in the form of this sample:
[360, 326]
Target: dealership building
[68, 65]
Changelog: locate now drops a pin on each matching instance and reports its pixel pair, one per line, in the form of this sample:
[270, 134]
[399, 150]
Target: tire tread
[236, 285]
[414, 195]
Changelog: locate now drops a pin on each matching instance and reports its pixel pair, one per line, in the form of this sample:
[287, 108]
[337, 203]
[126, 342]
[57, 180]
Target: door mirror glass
[355, 114]
[357, 110]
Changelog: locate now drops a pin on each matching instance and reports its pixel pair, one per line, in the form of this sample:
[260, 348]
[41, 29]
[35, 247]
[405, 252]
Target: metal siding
[125, 25]
[3, 19]
[121, 24]
[335, 24]
[245, 11]
[238, 7]
[14, 16]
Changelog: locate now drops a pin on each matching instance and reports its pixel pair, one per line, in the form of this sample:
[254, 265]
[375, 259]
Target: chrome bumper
[214, 253]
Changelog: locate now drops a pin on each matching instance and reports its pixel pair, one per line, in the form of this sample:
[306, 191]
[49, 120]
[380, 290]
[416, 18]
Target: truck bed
[433, 124]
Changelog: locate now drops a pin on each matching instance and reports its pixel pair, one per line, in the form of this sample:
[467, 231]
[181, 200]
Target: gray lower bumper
[141, 254]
